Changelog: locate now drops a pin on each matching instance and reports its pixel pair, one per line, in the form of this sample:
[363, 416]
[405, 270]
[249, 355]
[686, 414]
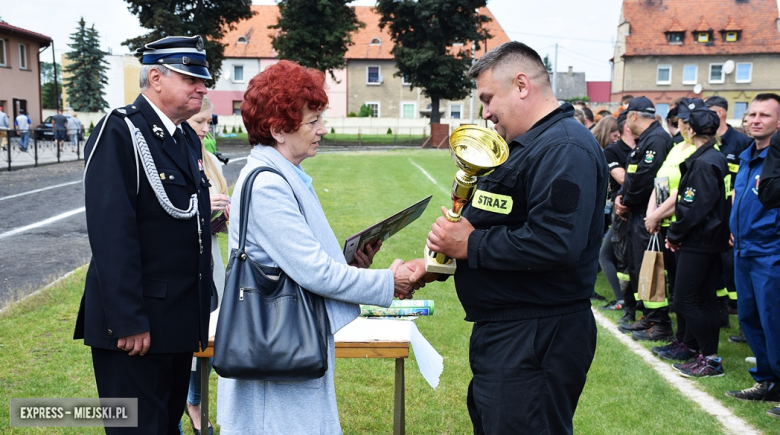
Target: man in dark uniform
[525, 272]
[733, 143]
[643, 163]
[146, 300]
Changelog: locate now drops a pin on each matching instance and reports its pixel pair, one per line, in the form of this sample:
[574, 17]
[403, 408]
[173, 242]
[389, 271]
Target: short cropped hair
[626, 99]
[588, 113]
[275, 98]
[768, 96]
[508, 54]
[143, 77]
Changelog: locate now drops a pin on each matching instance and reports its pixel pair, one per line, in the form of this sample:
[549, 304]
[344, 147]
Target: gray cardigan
[305, 247]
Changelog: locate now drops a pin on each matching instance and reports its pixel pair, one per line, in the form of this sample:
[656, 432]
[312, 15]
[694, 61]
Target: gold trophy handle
[462, 190]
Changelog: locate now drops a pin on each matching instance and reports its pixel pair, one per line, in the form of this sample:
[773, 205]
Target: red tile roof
[258, 35]
[649, 19]
[7, 29]
[676, 26]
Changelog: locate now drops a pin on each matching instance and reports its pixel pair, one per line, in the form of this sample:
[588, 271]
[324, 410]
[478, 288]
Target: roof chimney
[571, 71]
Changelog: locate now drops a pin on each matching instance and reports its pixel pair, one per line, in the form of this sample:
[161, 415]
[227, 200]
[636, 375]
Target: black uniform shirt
[643, 163]
[538, 222]
[616, 155]
[769, 184]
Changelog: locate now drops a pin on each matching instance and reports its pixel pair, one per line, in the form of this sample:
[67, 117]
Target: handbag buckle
[241, 294]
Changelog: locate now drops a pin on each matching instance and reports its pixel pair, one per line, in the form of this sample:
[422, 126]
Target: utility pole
[555, 73]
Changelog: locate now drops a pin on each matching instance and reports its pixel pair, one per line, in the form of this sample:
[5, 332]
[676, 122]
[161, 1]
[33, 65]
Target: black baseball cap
[641, 104]
[672, 114]
[183, 54]
[687, 105]
[718, 101]
[704, 121]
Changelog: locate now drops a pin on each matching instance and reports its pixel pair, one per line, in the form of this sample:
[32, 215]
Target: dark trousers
[638, 241]
[529, 374]
[159, 381]
[695, 299]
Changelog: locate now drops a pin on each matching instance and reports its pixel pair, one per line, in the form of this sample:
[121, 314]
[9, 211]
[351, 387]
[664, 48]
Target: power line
[560, 37]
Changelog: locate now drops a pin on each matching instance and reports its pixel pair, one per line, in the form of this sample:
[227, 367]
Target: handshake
[409, 277]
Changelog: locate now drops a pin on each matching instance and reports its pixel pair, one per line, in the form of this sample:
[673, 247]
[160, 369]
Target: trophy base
[432, 266]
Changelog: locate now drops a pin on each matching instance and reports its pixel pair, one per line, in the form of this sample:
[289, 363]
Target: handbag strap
[246, 196]
[654, 244]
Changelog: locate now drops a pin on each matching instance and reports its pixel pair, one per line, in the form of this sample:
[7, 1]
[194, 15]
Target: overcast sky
[584, 32]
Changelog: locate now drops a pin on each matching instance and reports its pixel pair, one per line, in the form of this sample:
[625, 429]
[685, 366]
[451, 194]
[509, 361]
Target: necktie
[181, 141]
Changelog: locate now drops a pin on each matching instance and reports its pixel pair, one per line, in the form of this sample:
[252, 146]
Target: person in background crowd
[755, 230]
[643, 163]
[589, 122]
[612, 256]
[745, 126]
[5, 126]
[624, 102]
[220, 205]
[769, 188]
[579, 115]
[732, 144]
[660, 214]
[74, 129]
[605, 112]
[606, 131]
[59, 125]
[23, 124]
[698, 236]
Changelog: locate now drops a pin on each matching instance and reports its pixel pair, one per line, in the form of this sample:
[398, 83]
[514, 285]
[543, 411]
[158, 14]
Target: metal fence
[38, 148]
[376, 135]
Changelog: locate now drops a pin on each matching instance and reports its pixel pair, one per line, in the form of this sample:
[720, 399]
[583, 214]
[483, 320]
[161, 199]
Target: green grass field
[623, 394]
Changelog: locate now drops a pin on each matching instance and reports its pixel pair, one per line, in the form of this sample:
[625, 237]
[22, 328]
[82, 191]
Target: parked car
[44, 131]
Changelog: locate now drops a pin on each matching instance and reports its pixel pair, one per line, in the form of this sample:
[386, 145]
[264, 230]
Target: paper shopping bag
[652, 283]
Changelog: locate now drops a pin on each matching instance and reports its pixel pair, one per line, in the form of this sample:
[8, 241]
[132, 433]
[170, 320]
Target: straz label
[733, 168]
[492, 202]
[631, 169]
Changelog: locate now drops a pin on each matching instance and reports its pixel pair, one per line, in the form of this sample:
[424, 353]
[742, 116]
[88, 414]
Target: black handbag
[269, 327]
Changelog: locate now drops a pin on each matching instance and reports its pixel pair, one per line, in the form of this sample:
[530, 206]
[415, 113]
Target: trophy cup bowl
[476, 151]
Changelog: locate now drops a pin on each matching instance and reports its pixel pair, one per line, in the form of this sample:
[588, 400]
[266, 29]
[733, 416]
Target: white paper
[429, 361]
[213, 323]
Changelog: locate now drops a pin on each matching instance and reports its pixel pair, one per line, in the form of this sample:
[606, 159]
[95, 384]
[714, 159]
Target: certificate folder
[384, 229]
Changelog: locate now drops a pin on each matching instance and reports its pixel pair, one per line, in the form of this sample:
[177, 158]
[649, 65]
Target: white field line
[237, 159]
[40, 190]
[429, 177]
[731, 423]
[41, 223]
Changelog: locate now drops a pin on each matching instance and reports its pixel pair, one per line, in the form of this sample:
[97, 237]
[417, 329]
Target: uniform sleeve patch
[565, 195]
[557, 222]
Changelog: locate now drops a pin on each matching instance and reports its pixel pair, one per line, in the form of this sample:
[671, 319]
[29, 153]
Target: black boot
[629, 316]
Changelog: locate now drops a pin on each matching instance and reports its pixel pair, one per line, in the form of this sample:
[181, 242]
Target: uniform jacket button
[199, 277]
[110, 332]
[202, 221]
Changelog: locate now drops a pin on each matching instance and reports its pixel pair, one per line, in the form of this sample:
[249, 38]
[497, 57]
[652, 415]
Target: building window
[22, 56]
[408, 110]
[238, 73]
[375, 41]
[3, 61]
[740, 108]
[662, 109]
[731, 37]
[690, 74]
[716, 73]
[455, 111]
[703, 37]
[236, 107]
[372, 75]
[374, 109]
[241, 40]
[744, 72]
[675, 37]
[405, 80]
[664, 75]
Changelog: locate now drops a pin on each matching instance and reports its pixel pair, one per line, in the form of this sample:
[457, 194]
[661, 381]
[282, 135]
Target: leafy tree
[86, 70]
[547, 64]
[49, 95]
[424, 32]
[315, 34]
[208, 18]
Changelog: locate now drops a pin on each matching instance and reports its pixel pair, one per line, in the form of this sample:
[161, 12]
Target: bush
[224, 129]
[240, 130]
[333, 130]
[389, 130]
[91, 126]
[351, 115]
[233, 130]
[365, 112]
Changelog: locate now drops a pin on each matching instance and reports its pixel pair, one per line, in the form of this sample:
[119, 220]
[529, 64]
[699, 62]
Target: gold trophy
[476, 151]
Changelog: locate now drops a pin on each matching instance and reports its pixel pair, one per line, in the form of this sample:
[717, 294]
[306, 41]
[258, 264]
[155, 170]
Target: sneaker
[656, 332]
[774, 412]
[737, 338]
[641, 325]
[629, 316]
[669, 347]
[750, 360]
[708, 368]
[688, 365]
[613, 306]
[681, 353]
[765, 391]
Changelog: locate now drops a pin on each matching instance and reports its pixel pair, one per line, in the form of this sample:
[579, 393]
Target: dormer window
[731, 36]
[241, 40]
[703, 37]
[675, 37]
[375, 41]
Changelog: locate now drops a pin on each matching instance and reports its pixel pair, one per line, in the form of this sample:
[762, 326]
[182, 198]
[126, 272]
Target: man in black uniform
[146, 300]
[643, 163]
[525, 272]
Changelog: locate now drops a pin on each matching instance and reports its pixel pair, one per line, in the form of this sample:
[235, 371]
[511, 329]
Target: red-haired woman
[282, 112]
